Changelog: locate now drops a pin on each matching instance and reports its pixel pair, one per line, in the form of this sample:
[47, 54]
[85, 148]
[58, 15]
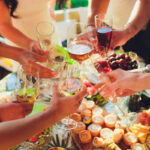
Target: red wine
[104, 37]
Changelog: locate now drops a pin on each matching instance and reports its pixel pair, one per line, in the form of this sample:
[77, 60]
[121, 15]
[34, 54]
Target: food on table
[80, 126]
[56, 148]
[86, 113]
[28, 95]
[106, 133]
[98, 142]
[98, 99]
[94, 129]
[76, 117]
[110, 121]
[144, 118]
[85, 136]
[120, 124]
[114, 61]
[137, 146]
[130, 138]
[140, 131]
[110, 145]
[118, 135]
[5, 100]
[98, 120]
[87, 120]
[97, 111]
[90, 105]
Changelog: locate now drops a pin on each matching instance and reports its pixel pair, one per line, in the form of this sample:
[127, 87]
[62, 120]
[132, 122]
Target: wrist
[131, 30]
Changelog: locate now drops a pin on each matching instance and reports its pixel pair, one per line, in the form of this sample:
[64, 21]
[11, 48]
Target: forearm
[10, 52]
[140, 20]
[96, 7]
[143, 81]
[14, 35]
[19, 130]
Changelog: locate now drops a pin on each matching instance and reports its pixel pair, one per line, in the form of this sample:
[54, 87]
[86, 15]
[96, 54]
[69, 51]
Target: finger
[124, 92]
[109, 89]
[55, 90]
[37, 70]
[79, 96]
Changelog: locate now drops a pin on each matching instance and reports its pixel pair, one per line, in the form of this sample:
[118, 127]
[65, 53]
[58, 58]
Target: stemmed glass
[69, 84]
[104, 29]
[104, 33]
[27, 87]
[46, 37]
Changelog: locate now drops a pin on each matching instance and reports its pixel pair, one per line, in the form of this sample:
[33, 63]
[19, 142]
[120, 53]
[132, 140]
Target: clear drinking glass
[69, 84]
[104, 32]
[28, 89]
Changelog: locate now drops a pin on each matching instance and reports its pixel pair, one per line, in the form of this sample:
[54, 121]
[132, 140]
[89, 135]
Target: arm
[96, 7]
[28, 60]
[17, 131]
[140, 19]
[52, 9]
[8, 31]
[124, 83]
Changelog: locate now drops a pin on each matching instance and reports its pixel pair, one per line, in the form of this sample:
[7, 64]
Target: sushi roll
[118, 135]
[76, 117]
[98, 120]
[98, 142]
[137, 146]
[129, 138]
[89, 105]
[80, 126]
[97, 111]
[106, 133]
[86, 113]
[110, 121]
[94, 129]
[85, 136]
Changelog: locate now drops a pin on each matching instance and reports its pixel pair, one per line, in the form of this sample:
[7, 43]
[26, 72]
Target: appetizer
[94, 129]
[85, 136]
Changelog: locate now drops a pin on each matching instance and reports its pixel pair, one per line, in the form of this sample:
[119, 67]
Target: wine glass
[28, 89]
[104, 33]
[69, 84]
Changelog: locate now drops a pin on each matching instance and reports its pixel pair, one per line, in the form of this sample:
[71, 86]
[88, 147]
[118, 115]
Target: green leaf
[37, 108]
[54, 142]
[67, 140]
[57, 140]
[63, 143]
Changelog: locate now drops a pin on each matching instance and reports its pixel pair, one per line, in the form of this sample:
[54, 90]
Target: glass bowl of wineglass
[104, 33]
[28, 89]
[69, 84]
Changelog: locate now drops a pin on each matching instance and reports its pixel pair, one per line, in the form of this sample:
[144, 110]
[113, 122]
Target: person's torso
[120, 11]
[30, 13]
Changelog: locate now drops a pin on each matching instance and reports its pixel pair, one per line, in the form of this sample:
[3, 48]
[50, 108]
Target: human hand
[120, 82]
[66, 105]
[119, 38]
[14, 110]
[28, 62]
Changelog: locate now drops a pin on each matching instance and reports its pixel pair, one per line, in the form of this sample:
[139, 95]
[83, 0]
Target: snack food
[94, 129]
[85, 136]
[110, 121]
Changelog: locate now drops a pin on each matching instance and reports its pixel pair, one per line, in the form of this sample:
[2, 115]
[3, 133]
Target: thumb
[55, 90]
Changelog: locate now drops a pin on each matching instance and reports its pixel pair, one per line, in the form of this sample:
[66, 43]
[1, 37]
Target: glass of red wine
[104, 33]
